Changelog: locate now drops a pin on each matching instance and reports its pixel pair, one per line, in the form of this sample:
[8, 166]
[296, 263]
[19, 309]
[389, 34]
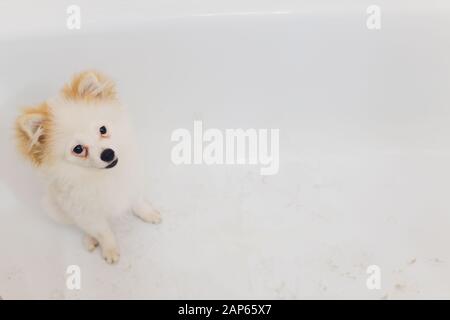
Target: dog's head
[84, 126]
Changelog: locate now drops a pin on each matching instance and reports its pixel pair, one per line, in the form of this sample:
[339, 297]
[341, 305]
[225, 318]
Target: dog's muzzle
[108, 155]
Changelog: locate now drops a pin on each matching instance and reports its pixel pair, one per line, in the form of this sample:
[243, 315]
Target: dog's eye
[79, 150]
[103, 130]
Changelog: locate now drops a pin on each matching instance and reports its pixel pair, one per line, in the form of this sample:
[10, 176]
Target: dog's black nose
[107, 155]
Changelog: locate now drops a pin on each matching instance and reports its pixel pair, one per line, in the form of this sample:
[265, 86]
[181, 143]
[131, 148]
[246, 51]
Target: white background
[364, 147]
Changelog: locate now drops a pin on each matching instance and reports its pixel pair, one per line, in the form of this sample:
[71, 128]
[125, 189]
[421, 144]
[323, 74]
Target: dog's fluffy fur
[82, 188]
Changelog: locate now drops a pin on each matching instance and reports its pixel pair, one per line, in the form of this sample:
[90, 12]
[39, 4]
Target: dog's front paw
[146, 212]
[151, 216]
[90, 243]
[111, 255]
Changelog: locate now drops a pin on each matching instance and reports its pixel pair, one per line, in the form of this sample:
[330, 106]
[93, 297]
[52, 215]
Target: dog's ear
[89, 85]
[32, 128]
[31, 124]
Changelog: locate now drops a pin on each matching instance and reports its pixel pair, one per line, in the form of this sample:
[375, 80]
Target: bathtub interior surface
[364, 172]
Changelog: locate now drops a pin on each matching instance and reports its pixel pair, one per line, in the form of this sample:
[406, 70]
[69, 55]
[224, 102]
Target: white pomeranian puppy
[82, 143]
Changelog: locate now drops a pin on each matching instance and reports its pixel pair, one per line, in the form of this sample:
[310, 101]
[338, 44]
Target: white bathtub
[364, 120]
